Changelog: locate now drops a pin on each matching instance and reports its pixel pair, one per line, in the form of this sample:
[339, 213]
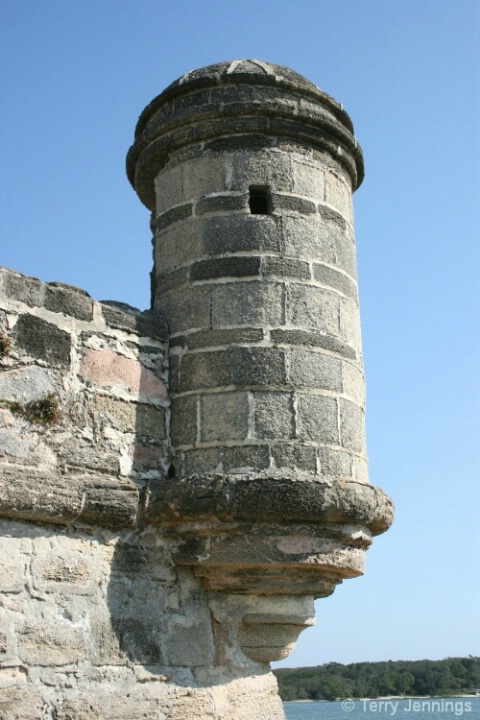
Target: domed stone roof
[241, 99]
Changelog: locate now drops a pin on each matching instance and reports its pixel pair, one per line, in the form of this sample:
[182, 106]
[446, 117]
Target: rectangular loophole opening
[259, 200]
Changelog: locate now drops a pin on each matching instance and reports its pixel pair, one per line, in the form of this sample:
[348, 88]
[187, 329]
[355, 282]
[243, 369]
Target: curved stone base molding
[272, 543]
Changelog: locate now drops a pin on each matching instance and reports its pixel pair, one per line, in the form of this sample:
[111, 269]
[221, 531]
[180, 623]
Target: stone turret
[248, 169]
[178, 485]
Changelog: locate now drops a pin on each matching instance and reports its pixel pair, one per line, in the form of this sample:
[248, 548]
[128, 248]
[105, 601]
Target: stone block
[105, 641]
[173, 375]
[295, 456]
[80, 453]
[28, 290]
[257, 366]
[273, 415]
[42, 340]
[241, 233]
[354, 383]
[248, 303]
[139, 418]
[322, 238]
[317, 418]
[187, 308]
[26, 383]
[63, 572]
[313, 308]
[307, 338]
[246, 458]
[360, 471]
[335, 463]
[139, 639]
[146, 324]
[201, 461]
[308, 179]
[227, 338]
[21, 702]
[113, 705]
[225, 267]
[147, 456]
[270, 167]
[350, 323]
[292, 203]
[13, 566]
[172, 279]
[51, 643]
[184, 420]
[24, 448]
[238, 366]
[339, 194]
[285, 267]
[352, 426]
[224, 416]
[195, 705]
[203, 175]
[168, 187]
[68, 300]
[178, 245]
[176, 214]
[109, 369]
[190, 642]
[333, 278]
[314, 370]
[221, 203]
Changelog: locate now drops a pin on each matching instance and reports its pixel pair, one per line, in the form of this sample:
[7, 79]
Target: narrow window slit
[259, 200]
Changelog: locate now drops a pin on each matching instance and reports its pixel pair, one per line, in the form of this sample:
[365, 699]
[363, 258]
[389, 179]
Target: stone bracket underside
[270, 535]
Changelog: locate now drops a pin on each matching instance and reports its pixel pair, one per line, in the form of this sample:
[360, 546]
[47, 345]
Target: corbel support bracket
[280, 538]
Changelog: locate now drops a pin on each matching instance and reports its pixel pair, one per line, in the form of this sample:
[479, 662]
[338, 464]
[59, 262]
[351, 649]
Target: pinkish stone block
[106, 367]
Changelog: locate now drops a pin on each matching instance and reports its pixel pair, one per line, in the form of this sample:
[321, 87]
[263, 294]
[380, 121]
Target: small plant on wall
[5, 344]
[44, 411]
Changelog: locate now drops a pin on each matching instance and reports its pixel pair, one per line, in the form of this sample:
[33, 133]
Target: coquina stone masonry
[205, 479]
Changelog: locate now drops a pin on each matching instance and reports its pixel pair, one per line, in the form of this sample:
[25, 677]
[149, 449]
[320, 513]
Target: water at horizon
[397, 708]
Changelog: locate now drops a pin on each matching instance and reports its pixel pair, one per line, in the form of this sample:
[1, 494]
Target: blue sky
[75, 75]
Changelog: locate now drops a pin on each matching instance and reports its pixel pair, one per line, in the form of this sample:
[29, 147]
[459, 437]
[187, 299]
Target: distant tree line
[452, 676]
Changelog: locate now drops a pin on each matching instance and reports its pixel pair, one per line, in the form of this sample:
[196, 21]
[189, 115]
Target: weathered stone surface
[314, 370]
[69, 301]
[28, 290]
[313, 308]
[225, 267]
[216, 338]
[189, 309]
[239, 366]
[20, 702]
[252, 303]
[44, 643]
[317, 418]
[45, 497]
[241, 233]
[109, 369]
[27, 383]
[224, 416]
[184, 421]
[263, 496]
[295, 456]
[145, 323]
[246, 458]
[274, 415]
[42, 340]
[139, 418]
